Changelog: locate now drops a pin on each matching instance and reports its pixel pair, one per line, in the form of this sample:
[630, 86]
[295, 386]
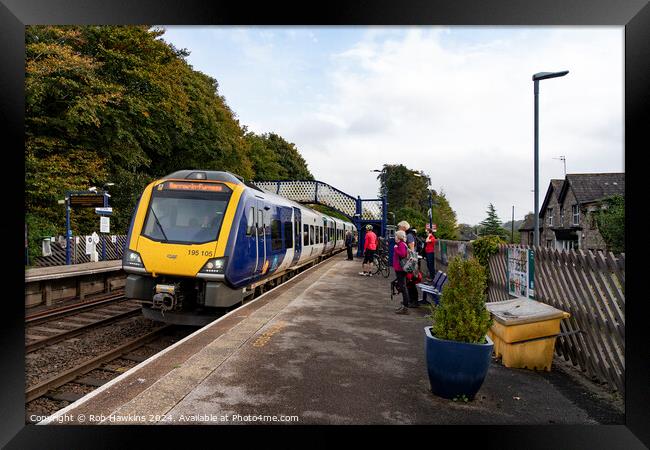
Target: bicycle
[380, 261]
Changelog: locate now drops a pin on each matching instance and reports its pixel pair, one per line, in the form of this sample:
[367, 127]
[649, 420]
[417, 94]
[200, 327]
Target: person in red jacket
[429, 248]
[369, 249]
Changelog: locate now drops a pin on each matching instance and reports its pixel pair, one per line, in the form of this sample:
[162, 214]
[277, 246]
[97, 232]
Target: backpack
[419, 246]
[410, 262]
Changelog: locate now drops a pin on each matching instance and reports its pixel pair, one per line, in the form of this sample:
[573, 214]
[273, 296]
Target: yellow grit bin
[520, 319]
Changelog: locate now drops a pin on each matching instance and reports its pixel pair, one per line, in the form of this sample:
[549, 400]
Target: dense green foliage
[492, 225]
[118, 104]
[611, 223]
[274, 158]
[484, 247]
[461, 315]
[329, 211]
[407, 194]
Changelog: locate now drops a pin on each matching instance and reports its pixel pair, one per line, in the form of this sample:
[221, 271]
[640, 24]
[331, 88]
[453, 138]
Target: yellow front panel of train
[175, 259]
[186, 259]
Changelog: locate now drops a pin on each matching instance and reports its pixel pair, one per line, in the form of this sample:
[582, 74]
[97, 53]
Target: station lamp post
[417, 174]
[536, 79]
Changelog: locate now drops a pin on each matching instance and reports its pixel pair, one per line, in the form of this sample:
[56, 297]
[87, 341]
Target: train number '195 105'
[201, 253]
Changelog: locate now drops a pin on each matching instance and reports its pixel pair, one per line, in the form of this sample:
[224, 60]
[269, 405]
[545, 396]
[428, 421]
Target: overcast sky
[455, 102]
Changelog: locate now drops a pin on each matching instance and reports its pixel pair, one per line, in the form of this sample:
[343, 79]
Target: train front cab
[176, 248]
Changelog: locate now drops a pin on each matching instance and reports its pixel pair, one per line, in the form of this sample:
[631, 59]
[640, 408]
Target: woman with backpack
[400, 252]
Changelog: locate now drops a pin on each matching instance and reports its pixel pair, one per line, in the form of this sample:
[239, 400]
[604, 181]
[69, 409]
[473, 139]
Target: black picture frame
[634, 15]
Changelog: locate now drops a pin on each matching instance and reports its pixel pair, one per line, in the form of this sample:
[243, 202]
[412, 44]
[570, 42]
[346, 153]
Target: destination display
[86, 200]
[197, 187]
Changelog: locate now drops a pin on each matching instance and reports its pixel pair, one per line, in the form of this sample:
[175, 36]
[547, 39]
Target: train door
[252, 234]
[262, 262]
[297, 239]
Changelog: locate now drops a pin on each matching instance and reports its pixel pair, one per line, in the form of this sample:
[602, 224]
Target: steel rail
[71, 374]
[67, 334]
[43, 315]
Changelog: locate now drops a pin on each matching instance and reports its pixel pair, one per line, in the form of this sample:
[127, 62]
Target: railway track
[55, 326]
[95, 301]
[76, 382]
[54, 388]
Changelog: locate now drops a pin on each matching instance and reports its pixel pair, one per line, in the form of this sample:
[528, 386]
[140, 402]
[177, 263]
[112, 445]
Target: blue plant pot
[456, 368]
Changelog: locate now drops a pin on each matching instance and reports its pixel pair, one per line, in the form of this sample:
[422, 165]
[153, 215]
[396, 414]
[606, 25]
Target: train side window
[260, 219]
[276, 235]
[288, 235]
[306, 235]
[250, 221]
[311, 235]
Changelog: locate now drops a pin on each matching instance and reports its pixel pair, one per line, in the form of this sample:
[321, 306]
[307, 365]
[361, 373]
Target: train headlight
[132, 259]
[215, 265]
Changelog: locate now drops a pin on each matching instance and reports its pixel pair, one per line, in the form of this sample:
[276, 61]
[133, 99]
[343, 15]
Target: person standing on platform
[369, 248]
[429, 250]
[400, 251]
[349, 241]
[410, 239]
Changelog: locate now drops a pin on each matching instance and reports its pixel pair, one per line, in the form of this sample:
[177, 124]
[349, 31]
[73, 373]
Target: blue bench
[434, 289]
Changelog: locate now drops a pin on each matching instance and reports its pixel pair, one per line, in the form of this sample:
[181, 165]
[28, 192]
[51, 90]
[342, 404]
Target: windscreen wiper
[159, 225]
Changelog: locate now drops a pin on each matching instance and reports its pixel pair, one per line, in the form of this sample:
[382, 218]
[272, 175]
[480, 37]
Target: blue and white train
[201, 241]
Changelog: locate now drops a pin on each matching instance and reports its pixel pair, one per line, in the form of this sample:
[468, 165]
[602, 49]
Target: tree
[407, 195]
[119, 104]
[611, 223]
[444, 217]
[491, 226]
[276, 159]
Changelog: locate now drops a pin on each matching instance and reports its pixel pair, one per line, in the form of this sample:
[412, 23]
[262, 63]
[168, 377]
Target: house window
[550, 217]
[575, 210]
[549, 243]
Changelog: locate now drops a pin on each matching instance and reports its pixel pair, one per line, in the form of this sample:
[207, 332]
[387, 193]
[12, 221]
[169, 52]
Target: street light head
[545, 75]
[375, 170]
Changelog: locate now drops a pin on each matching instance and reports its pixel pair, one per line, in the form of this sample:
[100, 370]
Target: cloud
[463, 113]
[454, 102]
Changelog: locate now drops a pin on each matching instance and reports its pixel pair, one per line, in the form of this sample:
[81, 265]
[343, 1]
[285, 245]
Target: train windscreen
[188, 213]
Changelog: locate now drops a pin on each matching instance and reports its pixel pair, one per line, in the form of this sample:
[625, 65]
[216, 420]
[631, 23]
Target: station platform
[324, 348]
[72, 270]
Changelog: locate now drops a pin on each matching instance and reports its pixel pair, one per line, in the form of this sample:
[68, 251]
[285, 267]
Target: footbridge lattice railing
[360, 211]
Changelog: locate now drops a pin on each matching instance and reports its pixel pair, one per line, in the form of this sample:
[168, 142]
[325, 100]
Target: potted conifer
[458, 349]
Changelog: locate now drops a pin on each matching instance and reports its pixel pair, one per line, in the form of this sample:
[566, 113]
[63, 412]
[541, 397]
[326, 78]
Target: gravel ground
[76, 388]
[120, 365]
[42, 407]
[101, 374]
[47, 362]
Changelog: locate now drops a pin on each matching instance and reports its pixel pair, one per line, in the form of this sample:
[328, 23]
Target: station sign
[86, 200]
[520, 272]
[104, 210]
[104, 224]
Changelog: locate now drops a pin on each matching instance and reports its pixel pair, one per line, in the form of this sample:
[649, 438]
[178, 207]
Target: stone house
[567, 215]
[526, 229]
